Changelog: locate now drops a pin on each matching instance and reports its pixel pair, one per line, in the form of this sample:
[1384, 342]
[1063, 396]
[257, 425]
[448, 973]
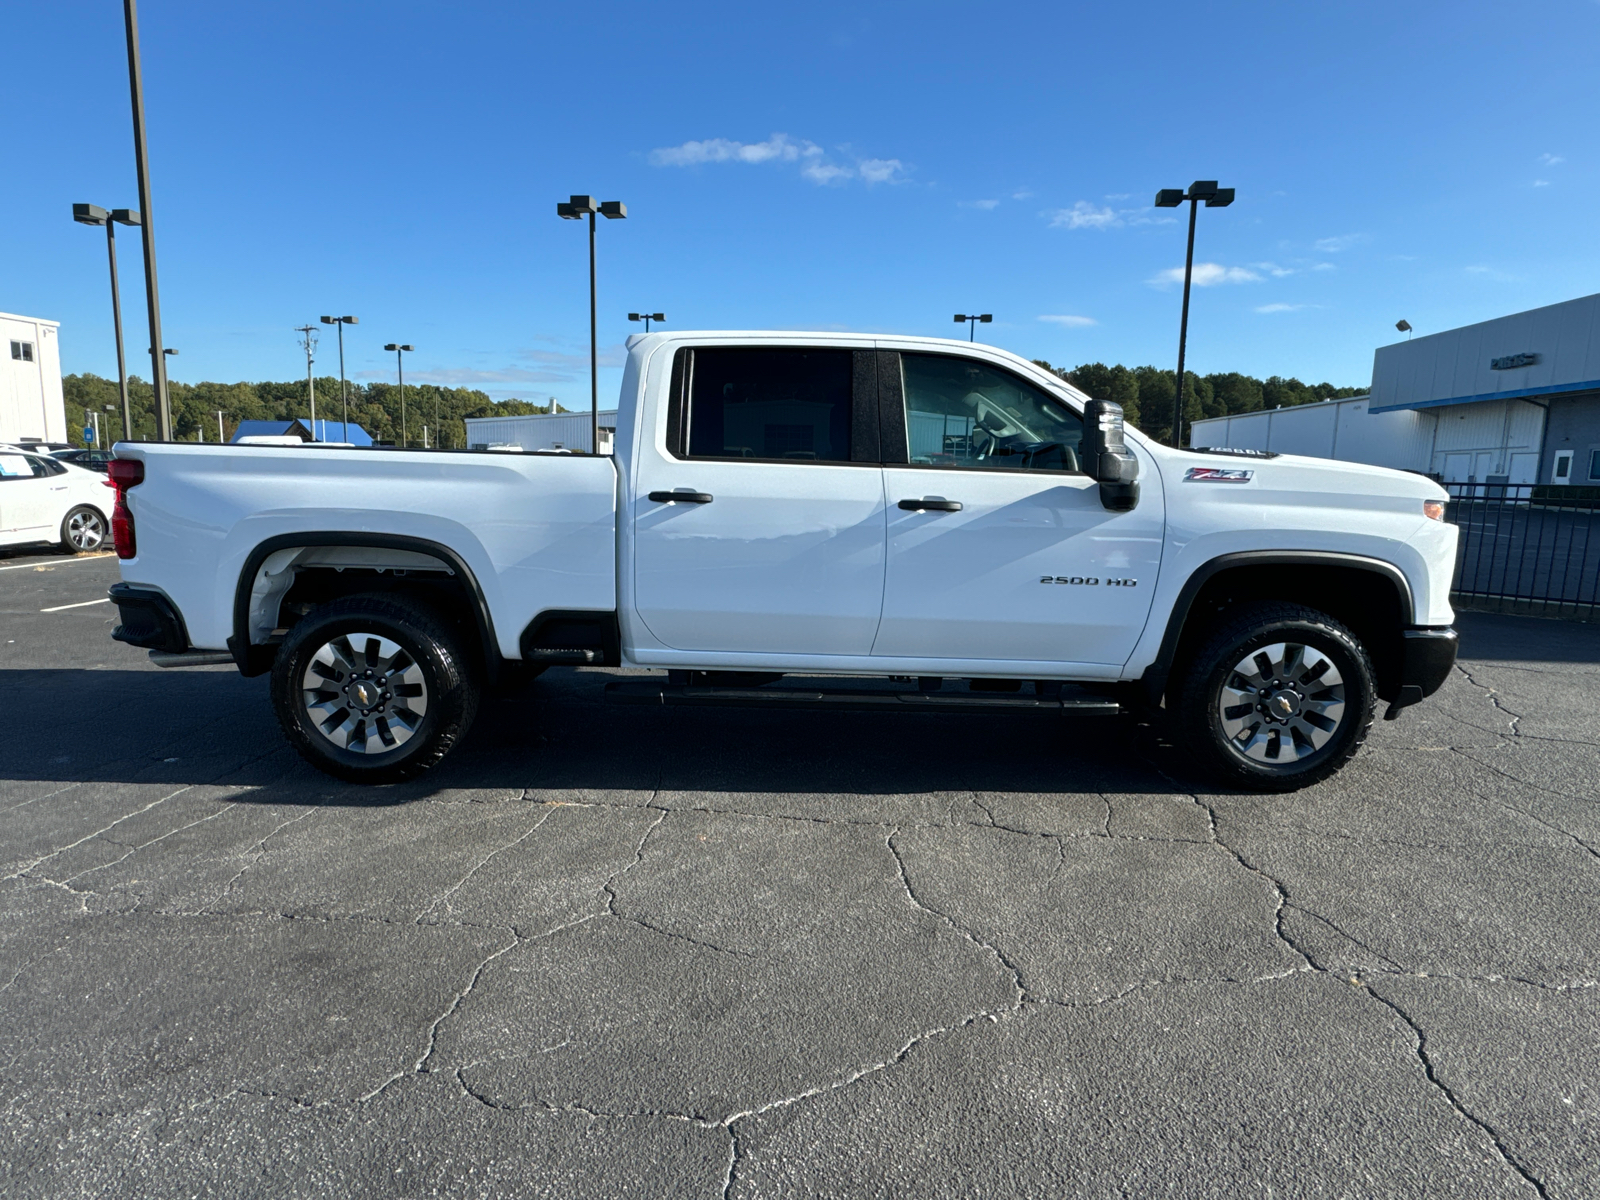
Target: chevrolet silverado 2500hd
[945, 517]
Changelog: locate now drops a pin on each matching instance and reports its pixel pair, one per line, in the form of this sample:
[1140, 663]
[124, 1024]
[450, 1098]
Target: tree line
[376, 407]
[1147, 393]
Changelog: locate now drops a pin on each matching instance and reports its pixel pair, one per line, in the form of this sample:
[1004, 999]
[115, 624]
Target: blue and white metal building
[1512, 400]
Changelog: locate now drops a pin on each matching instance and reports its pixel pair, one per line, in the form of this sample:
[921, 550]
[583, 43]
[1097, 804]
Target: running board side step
[653, 693]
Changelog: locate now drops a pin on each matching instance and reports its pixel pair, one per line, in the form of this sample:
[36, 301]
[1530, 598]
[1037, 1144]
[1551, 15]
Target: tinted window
[1594, 464]
[45, 467]
[770, 404]
[964, 413]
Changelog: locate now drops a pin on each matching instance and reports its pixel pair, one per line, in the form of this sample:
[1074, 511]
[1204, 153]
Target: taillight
[125, 473]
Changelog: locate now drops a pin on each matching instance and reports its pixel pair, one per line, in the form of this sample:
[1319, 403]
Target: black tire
[1265, 740]
[433, 674]
[84, 530]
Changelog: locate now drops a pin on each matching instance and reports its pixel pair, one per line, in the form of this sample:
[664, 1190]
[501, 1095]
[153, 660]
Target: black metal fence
[1527, 548]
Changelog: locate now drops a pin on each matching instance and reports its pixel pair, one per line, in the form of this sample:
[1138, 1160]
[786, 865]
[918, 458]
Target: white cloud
[1207, 275]
[1278, 308]
[780, 147]
[825, 173]
[1333, 245]
[1084, 215]
[1022, 195]
[880, 170]
[1120, 196]
[986, 205]
[1550, 160]
[1273, 269]
[1541, 183]
[1070, 322]
[1323, 267]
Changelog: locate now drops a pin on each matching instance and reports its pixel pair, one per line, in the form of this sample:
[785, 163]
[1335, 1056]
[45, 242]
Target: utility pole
[220, 438]
[141, 155]
[308, 339]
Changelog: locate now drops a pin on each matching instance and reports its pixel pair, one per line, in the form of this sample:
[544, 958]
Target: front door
[777, 544]
[999, 547]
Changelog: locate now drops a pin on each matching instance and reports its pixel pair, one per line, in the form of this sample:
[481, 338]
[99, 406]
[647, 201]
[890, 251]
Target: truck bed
[537, 531]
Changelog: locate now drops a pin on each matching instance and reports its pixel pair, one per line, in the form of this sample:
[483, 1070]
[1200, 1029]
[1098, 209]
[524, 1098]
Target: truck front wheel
[372, 689]
[1277, 698]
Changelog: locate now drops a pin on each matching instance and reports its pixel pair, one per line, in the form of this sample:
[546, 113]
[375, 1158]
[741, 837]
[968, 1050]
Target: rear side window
[769, 403]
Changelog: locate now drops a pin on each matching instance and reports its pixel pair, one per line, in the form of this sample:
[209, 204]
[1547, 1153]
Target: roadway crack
[1449, 1094]
[1489, 694]
[444, 897]
[420, 1067]
[259, 850]
[916, 902]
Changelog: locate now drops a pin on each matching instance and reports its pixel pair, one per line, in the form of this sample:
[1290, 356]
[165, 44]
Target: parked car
[93, 460]
[45, 500]
[948, 517]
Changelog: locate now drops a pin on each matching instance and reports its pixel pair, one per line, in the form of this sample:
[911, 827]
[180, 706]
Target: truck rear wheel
[373, 689]
[1277, 698]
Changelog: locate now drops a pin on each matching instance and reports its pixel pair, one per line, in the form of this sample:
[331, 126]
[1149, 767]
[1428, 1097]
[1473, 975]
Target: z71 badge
[1216, 475]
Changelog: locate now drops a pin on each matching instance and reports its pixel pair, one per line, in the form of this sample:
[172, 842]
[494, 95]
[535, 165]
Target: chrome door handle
[928, 505]
[685, 497]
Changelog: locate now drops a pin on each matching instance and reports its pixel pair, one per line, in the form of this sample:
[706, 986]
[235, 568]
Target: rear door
[776, 545]
[999, 547]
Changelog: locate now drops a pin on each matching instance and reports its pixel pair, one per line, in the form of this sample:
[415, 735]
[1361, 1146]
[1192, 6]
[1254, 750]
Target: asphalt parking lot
[635, 952]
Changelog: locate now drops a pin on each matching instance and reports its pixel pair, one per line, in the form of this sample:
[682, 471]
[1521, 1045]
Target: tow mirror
[1107, 456]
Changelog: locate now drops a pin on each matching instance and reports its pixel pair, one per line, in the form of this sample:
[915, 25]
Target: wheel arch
[1369, 595]
[256, 658]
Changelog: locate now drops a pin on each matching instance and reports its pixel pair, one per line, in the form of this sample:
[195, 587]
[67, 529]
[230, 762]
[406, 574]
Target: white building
[541, 431]
[31, 405]
[1512, 400]
[1342, 429]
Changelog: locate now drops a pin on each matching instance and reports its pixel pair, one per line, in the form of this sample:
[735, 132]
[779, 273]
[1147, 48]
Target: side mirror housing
[1107, 457]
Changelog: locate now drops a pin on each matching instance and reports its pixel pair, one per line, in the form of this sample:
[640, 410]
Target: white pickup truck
[785, 514]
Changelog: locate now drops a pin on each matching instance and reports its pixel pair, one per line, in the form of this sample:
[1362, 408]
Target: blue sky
[871, 167]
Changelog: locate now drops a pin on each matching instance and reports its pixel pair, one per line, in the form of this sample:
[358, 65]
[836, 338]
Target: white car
[44, 500]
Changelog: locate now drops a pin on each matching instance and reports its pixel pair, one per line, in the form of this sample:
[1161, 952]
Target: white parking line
[80, 604]
[60, 563]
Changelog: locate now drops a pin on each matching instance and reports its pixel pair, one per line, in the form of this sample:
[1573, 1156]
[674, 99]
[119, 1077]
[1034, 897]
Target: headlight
[1433, 509]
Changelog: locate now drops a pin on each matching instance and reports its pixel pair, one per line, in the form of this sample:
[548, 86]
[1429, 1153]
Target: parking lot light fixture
[1214, 197]
[647, 318]
[344, 392]
[973, 321]
[93, 214]
[575, 209]
[400, 369]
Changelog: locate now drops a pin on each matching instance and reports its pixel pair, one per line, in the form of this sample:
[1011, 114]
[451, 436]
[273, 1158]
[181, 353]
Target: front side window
[773, 403]
[15, 466]
[965, 413]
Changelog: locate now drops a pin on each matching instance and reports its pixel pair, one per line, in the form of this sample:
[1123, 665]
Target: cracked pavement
[621, 951]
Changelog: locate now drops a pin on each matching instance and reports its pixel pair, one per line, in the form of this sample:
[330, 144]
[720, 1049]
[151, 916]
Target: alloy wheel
[1281, 703]
[364, 693]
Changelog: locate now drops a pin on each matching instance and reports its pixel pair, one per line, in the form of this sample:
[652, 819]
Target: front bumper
[1428, 655]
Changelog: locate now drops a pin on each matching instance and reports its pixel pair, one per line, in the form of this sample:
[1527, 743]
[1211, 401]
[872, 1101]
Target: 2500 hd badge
[1088, 580]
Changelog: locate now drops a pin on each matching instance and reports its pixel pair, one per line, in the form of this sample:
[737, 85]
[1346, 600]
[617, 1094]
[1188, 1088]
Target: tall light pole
[308, 339]
[572, 210]
[1215, 197]
[93, 214]
[973, 322]
[344, 391]
[141, 155]
[400, 369]
[647, 318]
[220, 438]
